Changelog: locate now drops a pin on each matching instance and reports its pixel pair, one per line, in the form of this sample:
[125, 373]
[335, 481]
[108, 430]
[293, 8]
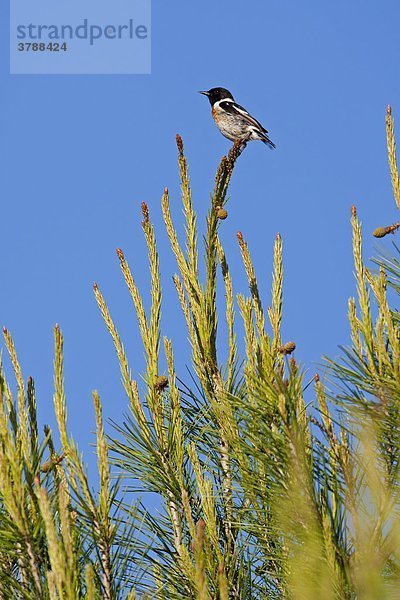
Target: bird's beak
[205, 93]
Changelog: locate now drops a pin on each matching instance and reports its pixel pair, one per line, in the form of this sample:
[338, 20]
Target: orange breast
[216, 114]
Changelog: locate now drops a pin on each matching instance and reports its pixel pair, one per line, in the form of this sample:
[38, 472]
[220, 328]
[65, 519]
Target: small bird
[233, 121]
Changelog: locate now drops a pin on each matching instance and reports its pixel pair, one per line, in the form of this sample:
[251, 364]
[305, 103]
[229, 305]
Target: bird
[233, 121]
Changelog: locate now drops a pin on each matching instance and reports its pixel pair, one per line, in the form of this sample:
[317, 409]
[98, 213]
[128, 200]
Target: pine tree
[265, 489]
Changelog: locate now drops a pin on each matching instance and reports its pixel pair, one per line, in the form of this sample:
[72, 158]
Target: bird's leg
[243, 142]
[241, 145]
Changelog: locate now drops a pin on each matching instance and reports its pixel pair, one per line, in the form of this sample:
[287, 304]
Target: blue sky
[80, 153]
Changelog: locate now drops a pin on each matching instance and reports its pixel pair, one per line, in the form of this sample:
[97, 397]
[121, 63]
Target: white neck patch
[216, 104]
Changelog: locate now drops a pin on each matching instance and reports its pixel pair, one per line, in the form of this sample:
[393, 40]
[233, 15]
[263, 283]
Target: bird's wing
[236, 109]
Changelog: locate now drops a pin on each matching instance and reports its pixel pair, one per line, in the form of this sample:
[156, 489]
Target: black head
[216, 94]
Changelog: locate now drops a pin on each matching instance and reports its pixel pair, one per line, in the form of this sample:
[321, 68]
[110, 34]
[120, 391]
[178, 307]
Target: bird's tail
[264, 138]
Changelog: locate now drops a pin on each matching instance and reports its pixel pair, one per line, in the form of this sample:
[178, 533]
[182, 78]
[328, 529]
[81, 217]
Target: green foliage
[264, 489]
